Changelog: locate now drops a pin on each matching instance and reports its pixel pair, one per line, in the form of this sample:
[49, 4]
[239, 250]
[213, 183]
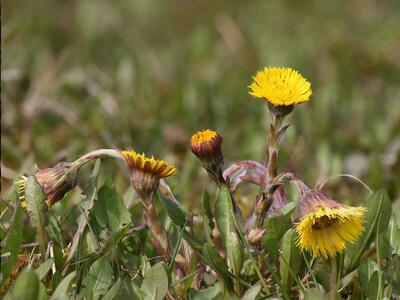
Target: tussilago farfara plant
[283, 249]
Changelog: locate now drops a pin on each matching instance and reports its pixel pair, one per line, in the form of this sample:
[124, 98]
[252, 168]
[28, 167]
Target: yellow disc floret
[203, 136]
[281, 86]
[151, 165]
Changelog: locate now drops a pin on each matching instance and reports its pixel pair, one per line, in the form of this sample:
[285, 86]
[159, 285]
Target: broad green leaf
[276, 226]
[110, 210]
[63, 287]
[212, 293]
[226, 226]
[234, 250]
[113, 291]
[217, 263]
[98, 279]
[27, 286]
[315, 294]
[37, 207]
[44, 268]
[374, 289]
[252, 293]
[365, 271]
[290, 258]
[12, 242]
[223, 209]
[379, 210]
[208, 224]
[175, 213]
[155, 283]
[393, 235]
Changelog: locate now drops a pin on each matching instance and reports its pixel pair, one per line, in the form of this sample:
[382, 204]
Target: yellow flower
[159, 168]
[146, 173]
[281, 86]
[326, 226]
[20, 183]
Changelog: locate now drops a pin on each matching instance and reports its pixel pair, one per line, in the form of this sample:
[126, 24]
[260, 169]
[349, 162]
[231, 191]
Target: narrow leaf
[63, 286]
[12, 242]
[37, 208]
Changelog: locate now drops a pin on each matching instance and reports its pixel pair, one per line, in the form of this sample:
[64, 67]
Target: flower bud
[206, 145]
[55, 181]
[255, 235]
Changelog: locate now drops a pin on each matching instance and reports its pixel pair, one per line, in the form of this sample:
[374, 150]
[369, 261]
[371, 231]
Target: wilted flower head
[206, 145]
[55, 181]
[281, 86]
[325, 226]
[146, 172]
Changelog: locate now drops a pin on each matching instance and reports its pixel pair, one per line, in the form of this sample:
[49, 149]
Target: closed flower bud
[325, 226]
[55, 181]
[206, 145]
[255, 235]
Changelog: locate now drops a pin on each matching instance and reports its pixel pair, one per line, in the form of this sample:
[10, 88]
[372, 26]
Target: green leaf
[110, 210]
[87, 205]
[155, 283]
[12, 242]
[290, 259]
[113, 291]
[208, 224]
[276, 226]
[63, 287]
[44, 268]
[314, 294]
[379, 210]
[365, 272]
[98, 279]
[393, 235]
[217, 263]
[223, 209]
[27, 286]
[252, 293]
[175, 213]
[374, 290]
[234, 250]
[226, 226]
[37, 207]
[212, 293]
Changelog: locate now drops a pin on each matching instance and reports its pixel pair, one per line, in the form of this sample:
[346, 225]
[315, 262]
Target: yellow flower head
[326, 226]
[206, 145]
[281, 86]
[156, 167]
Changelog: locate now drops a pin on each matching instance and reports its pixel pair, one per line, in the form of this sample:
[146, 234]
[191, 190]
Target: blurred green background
[82, 75]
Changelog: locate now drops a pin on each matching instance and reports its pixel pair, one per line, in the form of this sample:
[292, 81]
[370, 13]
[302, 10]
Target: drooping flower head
[281, 86]
[146, 172]
[55, 181]
[325, 226]
[206, 145]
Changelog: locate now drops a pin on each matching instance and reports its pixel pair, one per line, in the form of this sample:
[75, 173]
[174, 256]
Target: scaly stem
[155, 226]
[98, 154]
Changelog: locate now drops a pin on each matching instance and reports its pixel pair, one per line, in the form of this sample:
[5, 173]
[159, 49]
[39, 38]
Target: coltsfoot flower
[281, 86]
[55, 181]
[325, 226]
[146, 172]
[206, 145]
